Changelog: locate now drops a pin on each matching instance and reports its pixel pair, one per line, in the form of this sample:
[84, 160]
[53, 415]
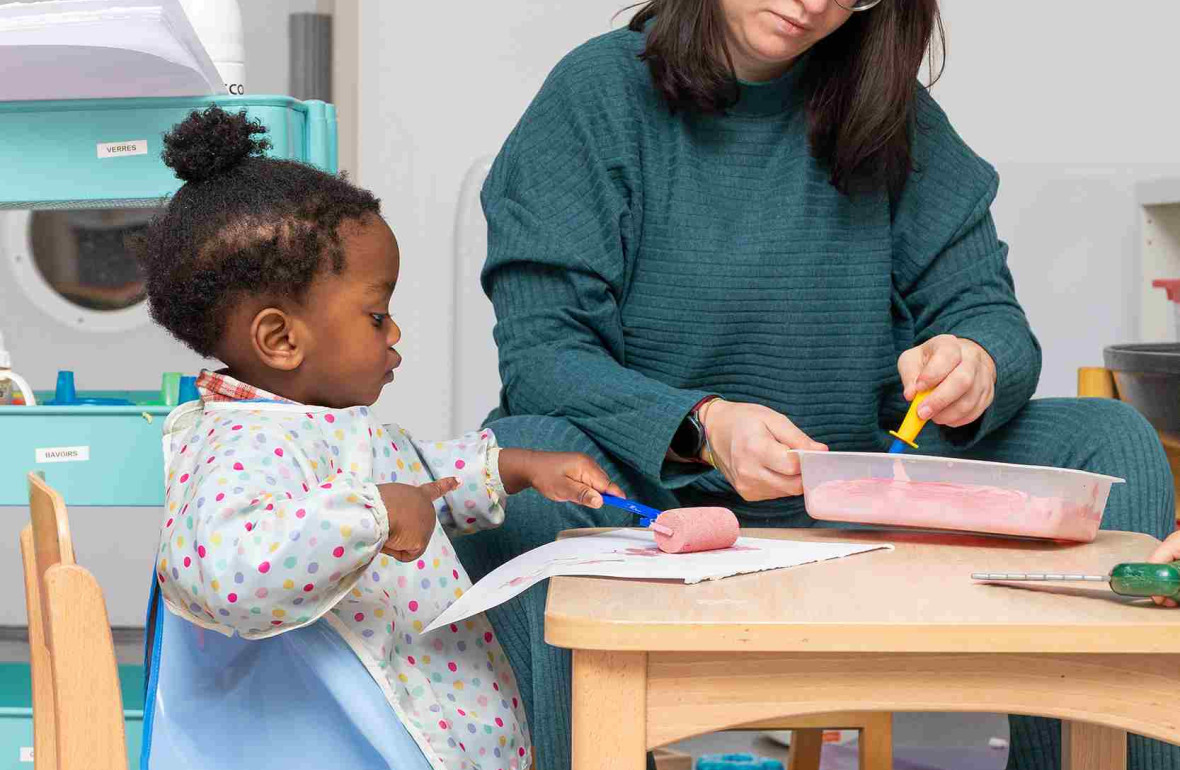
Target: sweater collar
[772, 96]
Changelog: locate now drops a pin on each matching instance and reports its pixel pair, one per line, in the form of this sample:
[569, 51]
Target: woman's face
[765, 36]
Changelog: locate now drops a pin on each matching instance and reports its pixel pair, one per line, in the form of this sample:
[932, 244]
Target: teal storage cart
[92, 455]
[106, 152]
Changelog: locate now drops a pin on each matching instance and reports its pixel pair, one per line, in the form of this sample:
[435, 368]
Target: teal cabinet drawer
[93, 455]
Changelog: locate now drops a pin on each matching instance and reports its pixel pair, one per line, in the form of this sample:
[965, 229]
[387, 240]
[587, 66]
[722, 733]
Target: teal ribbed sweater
[639, 260]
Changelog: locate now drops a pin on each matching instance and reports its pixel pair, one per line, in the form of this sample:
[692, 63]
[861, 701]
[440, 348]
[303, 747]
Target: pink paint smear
[967, 507]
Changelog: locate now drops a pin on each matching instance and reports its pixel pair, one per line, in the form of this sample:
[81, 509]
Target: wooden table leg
[609, 710]
[1087, 746]
[875, 743]
[806, 746]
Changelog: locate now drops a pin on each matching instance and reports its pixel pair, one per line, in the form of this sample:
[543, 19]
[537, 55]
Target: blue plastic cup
[65, 393]
[188, 390]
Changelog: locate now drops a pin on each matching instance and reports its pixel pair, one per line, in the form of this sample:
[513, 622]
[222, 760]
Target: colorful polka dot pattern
[476, 504]
[273, 518]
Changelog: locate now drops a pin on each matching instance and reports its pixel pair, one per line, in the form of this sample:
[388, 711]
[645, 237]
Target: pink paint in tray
[924, 492]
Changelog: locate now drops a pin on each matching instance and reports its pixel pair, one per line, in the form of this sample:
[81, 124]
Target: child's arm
[478, 500]
[487, 473]
[1168, 551]
[260, 563]
[256, 544]
[566, 477]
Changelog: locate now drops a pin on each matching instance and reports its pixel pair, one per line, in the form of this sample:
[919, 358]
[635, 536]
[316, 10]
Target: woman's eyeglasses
[856, 5]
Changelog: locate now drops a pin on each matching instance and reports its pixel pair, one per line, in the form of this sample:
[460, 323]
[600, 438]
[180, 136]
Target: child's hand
[412, 516]
[1168, 551]
[560, 476]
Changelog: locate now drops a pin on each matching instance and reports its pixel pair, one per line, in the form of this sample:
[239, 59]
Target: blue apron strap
[153, 637]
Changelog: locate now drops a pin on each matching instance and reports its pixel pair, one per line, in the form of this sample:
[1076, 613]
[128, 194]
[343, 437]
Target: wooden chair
[77, 704]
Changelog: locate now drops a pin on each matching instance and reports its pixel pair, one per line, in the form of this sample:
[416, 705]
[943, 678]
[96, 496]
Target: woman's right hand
[1168, 551]
[412, 516]
[751, 446]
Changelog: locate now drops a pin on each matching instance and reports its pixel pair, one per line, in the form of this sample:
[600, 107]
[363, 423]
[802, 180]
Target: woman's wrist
[703, 412]
[515, 471]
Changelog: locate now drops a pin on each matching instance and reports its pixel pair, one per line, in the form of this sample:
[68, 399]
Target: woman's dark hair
[859, 83]
[240, 224]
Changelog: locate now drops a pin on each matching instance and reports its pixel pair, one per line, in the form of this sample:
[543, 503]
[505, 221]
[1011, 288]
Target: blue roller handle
[645, 513]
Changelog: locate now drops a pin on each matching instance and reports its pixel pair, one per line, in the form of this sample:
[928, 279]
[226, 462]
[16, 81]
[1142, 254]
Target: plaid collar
[215, 386]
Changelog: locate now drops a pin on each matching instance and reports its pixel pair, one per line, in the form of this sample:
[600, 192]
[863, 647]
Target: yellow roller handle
[912, 424]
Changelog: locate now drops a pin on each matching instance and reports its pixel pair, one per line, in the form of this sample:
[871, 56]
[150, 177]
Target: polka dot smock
[274, 520]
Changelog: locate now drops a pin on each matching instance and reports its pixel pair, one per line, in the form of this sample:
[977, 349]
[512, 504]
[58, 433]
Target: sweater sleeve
[951, 268]
[564, 206]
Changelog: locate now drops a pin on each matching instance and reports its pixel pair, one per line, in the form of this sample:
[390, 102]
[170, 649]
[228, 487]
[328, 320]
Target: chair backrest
[476, 389]
[77, 704]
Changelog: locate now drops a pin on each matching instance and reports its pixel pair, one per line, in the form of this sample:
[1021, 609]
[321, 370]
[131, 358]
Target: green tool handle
[1142, 579]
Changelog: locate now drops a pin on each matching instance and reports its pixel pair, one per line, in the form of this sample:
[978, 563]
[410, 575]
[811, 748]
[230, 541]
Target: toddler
[306, 534]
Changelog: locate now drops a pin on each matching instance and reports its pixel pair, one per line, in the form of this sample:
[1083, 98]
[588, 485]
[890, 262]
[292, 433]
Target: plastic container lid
[218, 24]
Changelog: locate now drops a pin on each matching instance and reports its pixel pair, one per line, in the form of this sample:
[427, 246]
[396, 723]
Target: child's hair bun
[210, 143]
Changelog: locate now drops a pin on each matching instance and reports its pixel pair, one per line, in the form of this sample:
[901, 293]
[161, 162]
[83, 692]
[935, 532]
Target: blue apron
[302, 699]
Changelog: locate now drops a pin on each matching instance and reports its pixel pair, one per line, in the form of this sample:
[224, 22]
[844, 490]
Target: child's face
[351, 356]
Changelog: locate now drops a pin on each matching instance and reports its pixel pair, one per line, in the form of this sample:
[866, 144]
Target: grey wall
[441, 85]
[1074, 103]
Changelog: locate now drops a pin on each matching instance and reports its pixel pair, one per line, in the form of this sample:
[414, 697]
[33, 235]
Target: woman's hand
[564, 477]
[751, 446]
[412, 516]
[960, 374]
[1168, 551]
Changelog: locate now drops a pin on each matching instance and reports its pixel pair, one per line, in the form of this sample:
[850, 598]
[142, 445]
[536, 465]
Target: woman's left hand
[960, 374]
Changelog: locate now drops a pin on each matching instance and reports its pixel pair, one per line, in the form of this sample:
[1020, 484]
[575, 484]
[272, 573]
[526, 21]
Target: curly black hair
[240, 224]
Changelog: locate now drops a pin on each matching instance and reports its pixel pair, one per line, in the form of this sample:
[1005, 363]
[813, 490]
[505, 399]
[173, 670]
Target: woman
[756, 200]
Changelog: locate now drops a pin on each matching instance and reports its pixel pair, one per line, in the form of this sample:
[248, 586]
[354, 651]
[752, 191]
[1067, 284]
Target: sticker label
[119, 149]
[63, 454]
[26, 753]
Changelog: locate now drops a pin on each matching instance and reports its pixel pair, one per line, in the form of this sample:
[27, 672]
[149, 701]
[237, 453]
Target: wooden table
[902, 630]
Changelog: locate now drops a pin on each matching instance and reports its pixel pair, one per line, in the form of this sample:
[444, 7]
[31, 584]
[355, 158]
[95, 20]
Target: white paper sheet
[631, 553]
[99, 49]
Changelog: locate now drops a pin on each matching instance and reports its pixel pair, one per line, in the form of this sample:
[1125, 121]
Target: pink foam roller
[687, 530]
